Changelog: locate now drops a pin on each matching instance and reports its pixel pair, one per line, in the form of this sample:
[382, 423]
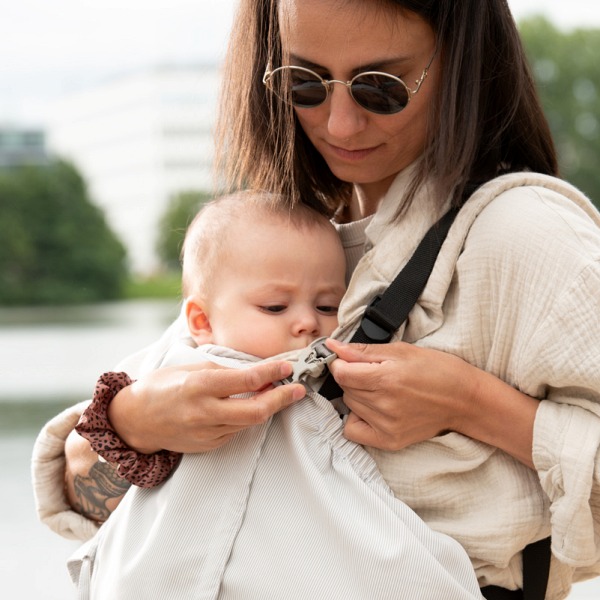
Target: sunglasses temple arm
[419, 82]
[268, 73]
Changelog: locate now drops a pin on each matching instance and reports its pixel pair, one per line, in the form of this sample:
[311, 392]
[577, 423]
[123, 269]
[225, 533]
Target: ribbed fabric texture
[287, 510]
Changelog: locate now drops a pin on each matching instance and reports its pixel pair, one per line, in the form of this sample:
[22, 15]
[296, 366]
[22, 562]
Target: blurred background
[106, 116]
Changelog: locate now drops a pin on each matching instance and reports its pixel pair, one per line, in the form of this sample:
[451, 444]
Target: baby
[260, 277]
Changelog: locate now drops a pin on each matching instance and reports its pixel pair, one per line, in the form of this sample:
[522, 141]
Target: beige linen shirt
[515, 291]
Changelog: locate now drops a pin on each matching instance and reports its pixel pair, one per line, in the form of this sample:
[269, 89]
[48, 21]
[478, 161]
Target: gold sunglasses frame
[328, 83]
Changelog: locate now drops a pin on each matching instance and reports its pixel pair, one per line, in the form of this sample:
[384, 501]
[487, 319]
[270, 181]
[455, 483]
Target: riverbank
[57, 353]
[50, 357]
[32, 558]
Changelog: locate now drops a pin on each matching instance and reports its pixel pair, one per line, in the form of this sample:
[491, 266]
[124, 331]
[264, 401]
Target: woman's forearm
[92, 486]
[499, 415]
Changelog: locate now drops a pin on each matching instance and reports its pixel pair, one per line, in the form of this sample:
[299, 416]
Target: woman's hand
[190, 409]
[400, 394]
[184, 409]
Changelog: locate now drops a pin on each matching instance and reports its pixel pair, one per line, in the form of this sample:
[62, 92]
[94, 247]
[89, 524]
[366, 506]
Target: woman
[487, 423]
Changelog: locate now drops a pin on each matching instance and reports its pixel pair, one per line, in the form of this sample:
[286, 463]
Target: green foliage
[565, 65]
[165, 285]
[56, 246]
[178, 215]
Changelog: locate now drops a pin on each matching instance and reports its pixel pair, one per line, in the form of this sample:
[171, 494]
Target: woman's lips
[358, 154]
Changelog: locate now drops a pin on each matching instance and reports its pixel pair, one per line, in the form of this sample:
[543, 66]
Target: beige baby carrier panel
[286, 510]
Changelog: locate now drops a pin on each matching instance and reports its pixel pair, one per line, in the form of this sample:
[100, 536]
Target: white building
[138, 140]
[22, 146]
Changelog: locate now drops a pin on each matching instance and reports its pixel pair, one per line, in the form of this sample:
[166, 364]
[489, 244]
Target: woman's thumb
[354, 352]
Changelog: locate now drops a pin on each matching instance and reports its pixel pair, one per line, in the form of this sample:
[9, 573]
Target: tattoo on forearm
[96, 489]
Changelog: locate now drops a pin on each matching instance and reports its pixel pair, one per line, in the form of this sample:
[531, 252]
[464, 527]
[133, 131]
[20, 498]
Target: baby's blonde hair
[208, 238]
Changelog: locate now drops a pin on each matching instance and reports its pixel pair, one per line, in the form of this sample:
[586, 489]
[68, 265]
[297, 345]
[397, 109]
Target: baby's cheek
[331, 325]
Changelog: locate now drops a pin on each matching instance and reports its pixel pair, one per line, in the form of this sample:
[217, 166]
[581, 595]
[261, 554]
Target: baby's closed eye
[274, 308]
[328, 310]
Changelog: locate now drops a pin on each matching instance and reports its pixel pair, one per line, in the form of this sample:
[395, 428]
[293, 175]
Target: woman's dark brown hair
[485, 121]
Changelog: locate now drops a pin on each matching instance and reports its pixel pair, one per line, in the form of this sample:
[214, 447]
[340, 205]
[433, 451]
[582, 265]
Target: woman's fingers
[211, 379]
[212, 390]
[239, 413]
[211, 422]
[399, 394]
[191, 408]
[367, 353]
[362, 432]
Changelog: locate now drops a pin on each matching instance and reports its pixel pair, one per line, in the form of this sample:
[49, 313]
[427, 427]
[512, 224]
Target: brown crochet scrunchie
[143, 470]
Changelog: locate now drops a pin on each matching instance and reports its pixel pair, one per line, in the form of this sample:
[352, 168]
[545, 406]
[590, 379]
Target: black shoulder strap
[536, 569]
[387, 312]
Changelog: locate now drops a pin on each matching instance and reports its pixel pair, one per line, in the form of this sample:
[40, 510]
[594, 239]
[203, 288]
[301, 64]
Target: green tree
[56, 246]
[174, 222]
[565, 65]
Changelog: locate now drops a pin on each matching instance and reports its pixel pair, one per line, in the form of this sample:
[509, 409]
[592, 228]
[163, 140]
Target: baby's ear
[198, 322]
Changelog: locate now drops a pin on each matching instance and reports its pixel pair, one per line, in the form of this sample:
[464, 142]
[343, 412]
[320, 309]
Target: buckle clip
[375, 324]
[313, 361]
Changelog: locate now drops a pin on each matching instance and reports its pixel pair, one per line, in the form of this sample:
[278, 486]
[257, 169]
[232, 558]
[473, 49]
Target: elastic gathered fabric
[288, 509]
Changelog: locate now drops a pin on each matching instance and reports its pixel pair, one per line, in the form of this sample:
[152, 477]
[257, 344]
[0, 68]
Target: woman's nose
[346, 117]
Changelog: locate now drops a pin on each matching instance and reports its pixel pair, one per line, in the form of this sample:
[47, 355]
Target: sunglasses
[377, 92]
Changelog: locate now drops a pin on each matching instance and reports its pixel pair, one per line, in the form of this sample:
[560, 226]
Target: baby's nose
[306, 322]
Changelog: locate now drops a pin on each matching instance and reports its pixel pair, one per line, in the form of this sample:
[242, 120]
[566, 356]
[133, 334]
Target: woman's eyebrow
[395, 61]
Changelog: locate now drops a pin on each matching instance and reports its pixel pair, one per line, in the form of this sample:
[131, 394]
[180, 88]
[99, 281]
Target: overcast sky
[51, 47]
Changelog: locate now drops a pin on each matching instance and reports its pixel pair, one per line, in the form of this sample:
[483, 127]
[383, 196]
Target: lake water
[49, 359]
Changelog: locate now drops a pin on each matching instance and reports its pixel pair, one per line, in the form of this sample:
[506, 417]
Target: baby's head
[261, 277]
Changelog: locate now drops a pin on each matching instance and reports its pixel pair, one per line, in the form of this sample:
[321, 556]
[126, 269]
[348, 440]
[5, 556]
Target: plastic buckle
[312, 362]
[375, 325]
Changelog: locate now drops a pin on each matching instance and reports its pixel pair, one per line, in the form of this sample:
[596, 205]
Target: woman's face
[338, 39]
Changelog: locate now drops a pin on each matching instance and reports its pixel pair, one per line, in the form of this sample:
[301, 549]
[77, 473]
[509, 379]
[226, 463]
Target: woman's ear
[198, 322]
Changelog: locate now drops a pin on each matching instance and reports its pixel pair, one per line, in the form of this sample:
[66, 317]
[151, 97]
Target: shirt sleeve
[540, 301]
[48, 474]
[565, 354]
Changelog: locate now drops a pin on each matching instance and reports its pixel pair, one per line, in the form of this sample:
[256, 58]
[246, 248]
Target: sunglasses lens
[380, 93]
[377, 92]
[305, 90]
